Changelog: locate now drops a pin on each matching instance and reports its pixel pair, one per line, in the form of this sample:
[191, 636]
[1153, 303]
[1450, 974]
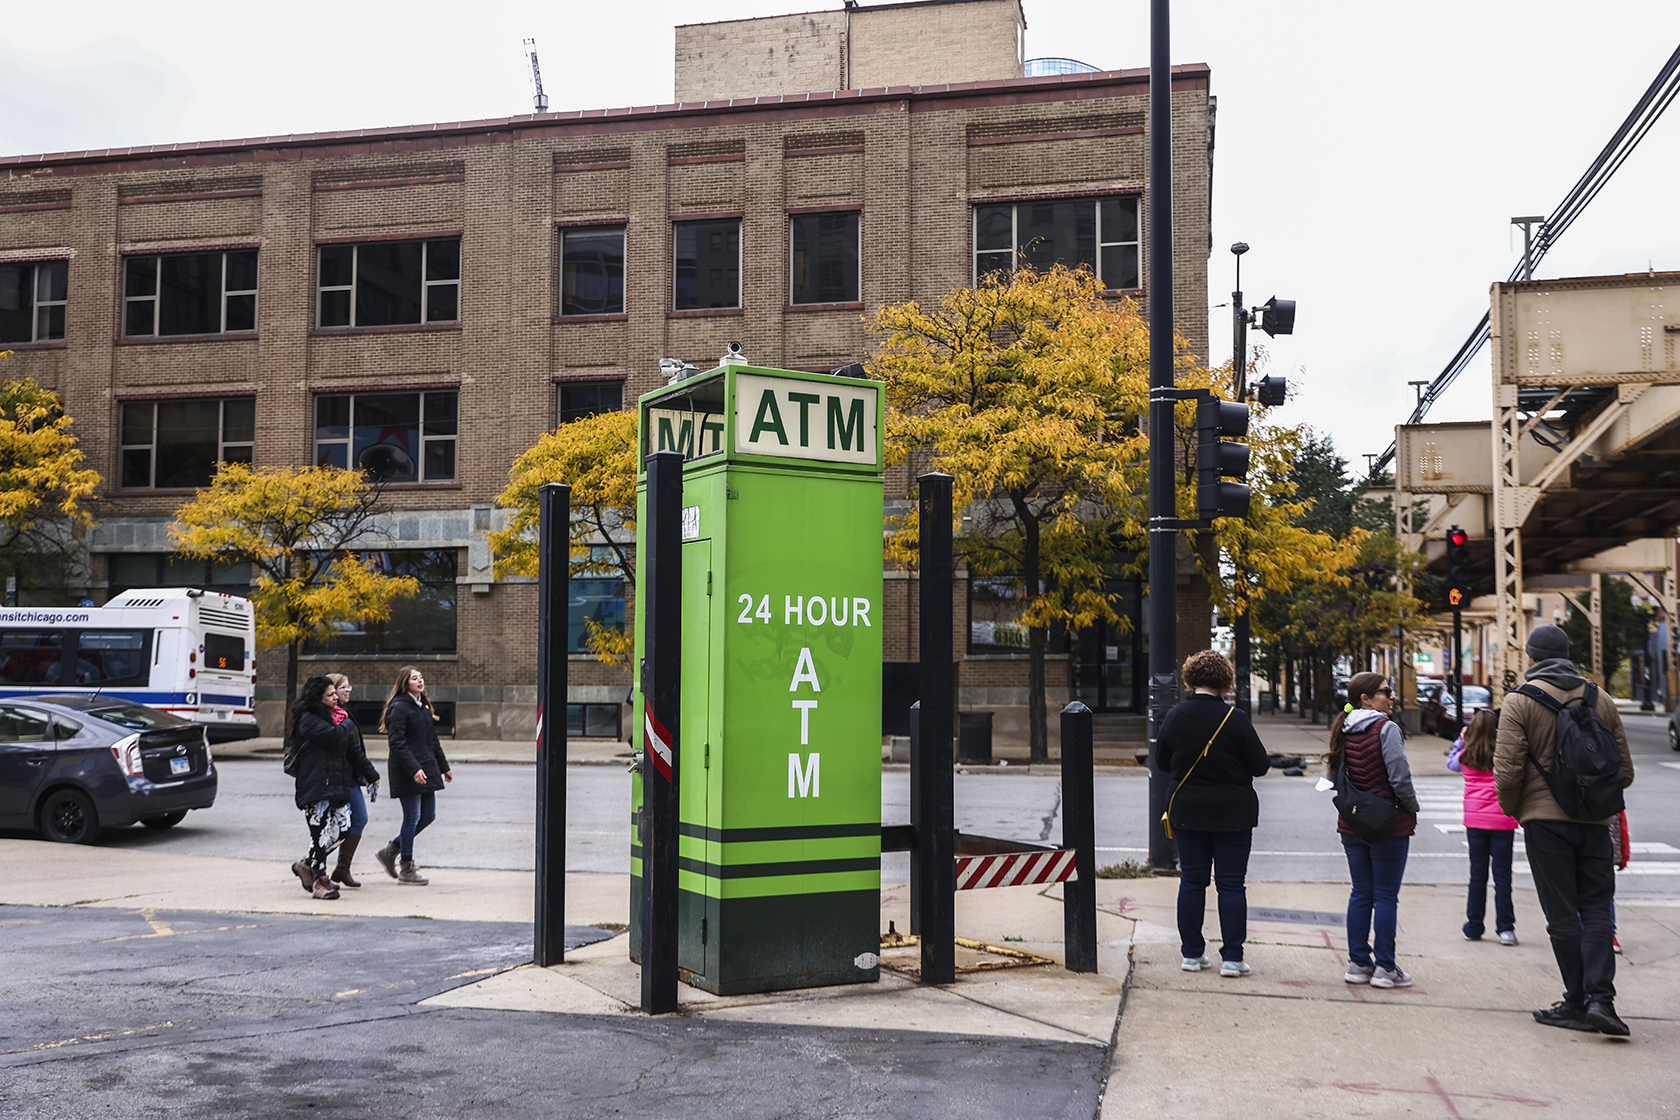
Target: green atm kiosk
[779, 773]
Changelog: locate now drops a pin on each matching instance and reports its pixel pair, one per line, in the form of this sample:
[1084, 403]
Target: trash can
[974, 741]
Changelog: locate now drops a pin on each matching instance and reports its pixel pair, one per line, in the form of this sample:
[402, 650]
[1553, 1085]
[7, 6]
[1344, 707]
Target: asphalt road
[114, 1013]
[485, 819]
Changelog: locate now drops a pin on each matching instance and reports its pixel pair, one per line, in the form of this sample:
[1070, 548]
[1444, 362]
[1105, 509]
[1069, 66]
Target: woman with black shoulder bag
[1213, 755]
[1367, 761]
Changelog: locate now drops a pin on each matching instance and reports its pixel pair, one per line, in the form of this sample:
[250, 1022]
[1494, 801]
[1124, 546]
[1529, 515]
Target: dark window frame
[694, 302]
[427, 440]
[152, 450]
[575, 309]
[613, 389]
[856, 286]
[1101, 241]
[40, 309]
[132, 303]
[353, 288]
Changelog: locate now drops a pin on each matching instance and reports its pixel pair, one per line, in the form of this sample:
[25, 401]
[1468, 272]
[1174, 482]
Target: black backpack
[289, 761]
[1586, 775]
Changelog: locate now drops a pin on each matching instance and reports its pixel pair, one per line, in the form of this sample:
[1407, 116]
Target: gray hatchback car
[74, 765]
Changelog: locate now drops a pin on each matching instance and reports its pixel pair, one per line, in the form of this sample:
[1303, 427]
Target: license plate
[222, 713]
[180, 765]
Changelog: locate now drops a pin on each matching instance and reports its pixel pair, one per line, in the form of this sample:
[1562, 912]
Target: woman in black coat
[418, 769]
[1213, 755]
[324, 777]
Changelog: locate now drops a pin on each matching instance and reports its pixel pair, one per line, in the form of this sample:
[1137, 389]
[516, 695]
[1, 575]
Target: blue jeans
[1489, 846]
[1224, 855]
[1376, 871]
[419, 810]
[358, 811]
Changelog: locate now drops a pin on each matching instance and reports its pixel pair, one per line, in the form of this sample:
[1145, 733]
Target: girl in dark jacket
[366, 775]
[1376, 763]
[1213, 755]
[418, 769]
[324, 779]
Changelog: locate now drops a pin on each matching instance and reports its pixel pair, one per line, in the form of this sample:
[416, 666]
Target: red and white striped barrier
[1014, 869]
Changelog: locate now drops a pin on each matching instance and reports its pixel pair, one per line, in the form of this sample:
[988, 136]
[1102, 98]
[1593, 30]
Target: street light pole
[1163, 504]
[1239, 366]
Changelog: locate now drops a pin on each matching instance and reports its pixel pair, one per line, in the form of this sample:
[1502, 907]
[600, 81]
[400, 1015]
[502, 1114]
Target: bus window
[108, 656]
[31, 656]
[224, 652]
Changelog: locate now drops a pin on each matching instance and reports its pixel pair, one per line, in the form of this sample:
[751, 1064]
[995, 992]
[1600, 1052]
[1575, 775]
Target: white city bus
[177, 649]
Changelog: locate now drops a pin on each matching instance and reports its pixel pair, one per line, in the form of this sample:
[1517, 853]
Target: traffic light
[1271, 391]
[1277, 316]
[1218, 458]
[1458, 568]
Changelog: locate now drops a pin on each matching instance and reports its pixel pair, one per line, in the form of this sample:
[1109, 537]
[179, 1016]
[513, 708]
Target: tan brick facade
[914, 161]
[851, 48]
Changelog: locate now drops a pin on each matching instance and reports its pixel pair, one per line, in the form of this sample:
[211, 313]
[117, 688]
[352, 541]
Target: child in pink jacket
[1489, 830]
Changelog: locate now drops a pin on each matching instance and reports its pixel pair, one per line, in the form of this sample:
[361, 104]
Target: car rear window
[138, 717]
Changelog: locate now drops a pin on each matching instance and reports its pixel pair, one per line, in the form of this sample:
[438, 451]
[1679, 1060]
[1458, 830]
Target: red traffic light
[1458, 538]
[1455, 597]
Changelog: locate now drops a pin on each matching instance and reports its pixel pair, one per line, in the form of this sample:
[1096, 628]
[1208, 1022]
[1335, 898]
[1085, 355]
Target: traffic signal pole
[1239, 368]
[1163, 505]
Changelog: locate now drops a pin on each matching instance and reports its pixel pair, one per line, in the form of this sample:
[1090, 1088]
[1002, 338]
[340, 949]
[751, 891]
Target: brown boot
[305, 874]
[324, 888]
[346, 849]
[387, 857]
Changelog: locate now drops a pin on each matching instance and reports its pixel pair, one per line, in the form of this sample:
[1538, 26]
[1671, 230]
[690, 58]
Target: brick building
[426, 301]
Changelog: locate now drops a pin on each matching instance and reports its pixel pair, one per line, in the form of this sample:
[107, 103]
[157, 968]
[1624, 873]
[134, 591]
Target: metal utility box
[779, 737]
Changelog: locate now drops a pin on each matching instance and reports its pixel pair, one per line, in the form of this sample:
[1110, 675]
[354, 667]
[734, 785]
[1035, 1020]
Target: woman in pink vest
[1489, 830]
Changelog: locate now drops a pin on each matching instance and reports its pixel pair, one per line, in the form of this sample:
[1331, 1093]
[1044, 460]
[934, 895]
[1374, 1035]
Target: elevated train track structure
[1582, 457]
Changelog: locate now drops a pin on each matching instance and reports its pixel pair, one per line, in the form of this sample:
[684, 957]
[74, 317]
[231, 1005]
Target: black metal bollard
[935, 828]
[661, 708]
[1079, 832]
[915, 816]
[554, 504]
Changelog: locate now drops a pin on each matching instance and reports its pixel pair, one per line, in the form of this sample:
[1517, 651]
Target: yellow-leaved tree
[301, 528]
[1028, 390]
[596, 457]
[43, 484]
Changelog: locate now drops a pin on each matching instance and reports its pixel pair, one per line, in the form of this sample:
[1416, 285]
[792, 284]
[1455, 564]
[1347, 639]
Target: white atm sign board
[813, 420]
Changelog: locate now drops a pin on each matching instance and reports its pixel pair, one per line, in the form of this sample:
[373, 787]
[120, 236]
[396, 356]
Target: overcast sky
[1371, 154]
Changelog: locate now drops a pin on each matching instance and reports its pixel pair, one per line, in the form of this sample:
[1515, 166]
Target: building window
[387, 283]
[178, 444]
[588, 398]
[165, 569]
[393, 437]
[601, 600]
[1100, 233]
[593, 721]
[592, 271]
[419, 623]
[706, 265]
[825, 252]
[994, 611]
[32, 298]
[190, 293]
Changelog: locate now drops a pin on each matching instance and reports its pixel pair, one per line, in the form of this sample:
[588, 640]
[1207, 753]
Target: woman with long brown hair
[323, 777]
[418, 769]
[1364, 737]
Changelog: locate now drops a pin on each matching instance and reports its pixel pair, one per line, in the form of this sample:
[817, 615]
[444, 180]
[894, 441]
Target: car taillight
[127, 753]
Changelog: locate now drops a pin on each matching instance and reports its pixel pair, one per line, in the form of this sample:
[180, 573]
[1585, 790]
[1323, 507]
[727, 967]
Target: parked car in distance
[1674, 731]
[72, 766]
[1428, 705]
[1440, 711]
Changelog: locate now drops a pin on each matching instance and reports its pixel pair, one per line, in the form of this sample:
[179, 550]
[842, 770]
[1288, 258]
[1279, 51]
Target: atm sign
[807, 419]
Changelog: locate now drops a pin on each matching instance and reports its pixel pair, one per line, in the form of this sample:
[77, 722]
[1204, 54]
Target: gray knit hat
[1547, 642]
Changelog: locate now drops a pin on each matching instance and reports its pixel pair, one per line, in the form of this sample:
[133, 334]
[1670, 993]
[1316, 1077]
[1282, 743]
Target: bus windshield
[138, 716]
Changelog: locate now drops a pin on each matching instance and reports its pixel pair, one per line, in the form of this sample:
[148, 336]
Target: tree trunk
[1289, 686]
[1037, 717]
[1309, 699]
[291, 674]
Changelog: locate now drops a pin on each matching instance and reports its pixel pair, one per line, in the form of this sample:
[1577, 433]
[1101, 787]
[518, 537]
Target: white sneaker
[1509, 937]
[1194, 964]
[1359, 973]
[1234, 968]
[1390, 978]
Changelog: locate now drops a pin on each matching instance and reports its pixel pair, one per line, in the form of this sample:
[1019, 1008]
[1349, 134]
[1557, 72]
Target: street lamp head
[1240, 248]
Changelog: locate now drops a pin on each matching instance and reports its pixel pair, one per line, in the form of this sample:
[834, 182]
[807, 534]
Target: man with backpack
[1560, 764]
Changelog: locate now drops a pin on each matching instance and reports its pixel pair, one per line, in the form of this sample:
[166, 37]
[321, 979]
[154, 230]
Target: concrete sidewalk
[1291, 1040]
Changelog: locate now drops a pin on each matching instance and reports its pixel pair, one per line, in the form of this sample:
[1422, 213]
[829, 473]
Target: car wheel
[168, 820]
[67, 817]
[1673, 737]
